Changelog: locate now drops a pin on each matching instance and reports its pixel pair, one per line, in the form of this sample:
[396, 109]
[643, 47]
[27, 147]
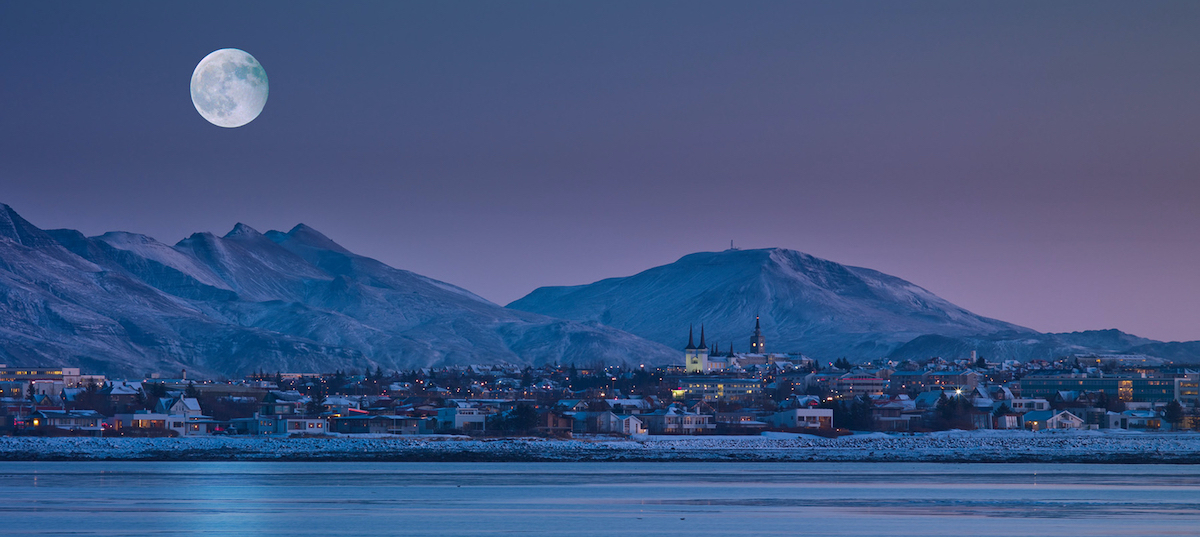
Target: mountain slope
[124, 303]
[821, 308]
[806, 304]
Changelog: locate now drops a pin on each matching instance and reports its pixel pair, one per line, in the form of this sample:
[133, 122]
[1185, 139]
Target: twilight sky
[1031, 161]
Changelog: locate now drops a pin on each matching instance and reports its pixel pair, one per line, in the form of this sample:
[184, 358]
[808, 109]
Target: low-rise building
[1039, 420]
[675, 420]
[739, 422]
[854, 385]
[1187, 390]
[802, 418]
[277, 403]
[381, 424]
[1135, 419]
[67, 420]
[462, 417]
[632, 425]
[965, 379]
[1127, 389]
[69, 376]
[554, 423]
[1022, 405]
[715, 388]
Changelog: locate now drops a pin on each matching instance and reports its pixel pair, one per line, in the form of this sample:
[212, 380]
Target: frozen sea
[596, 499]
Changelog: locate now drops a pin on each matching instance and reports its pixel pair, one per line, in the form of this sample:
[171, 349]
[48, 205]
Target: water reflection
[594, 499]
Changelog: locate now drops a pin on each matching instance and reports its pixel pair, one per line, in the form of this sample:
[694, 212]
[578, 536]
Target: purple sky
[1034, 162]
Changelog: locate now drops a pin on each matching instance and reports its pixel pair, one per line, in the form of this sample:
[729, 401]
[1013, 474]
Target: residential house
[802, 418]
[739, 422]
[1008, 420]
[462, 416]
[1134, 419]
[381, 424]
[68, 420]
[1022, 405]
[1039, 420]
[896, 414]
[554, 423]
[277, 403]
[632, 425]
[677, 420]
[630, 406]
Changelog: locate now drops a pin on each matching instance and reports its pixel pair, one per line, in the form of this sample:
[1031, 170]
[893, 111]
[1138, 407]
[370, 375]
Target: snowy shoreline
[952, 446]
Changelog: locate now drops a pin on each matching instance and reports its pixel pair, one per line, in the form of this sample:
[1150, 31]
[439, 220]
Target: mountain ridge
[124, 303]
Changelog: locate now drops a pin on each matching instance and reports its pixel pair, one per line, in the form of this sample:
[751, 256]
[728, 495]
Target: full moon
[229, 88]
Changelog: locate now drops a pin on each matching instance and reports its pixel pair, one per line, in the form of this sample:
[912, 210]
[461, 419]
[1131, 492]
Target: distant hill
[123, 303]
[1009, 346]
[821, 308]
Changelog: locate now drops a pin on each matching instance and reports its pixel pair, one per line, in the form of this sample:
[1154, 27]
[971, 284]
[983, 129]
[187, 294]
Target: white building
[1023, 405]
[462, 416]
[1039, 420]
[675, 420]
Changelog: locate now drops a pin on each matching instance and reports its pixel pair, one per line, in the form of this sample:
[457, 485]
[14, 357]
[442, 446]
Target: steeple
[695, 357]
[731, 350]
[757, 341]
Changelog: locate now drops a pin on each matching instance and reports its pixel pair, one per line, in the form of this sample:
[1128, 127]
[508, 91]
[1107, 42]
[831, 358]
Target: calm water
[596, 499]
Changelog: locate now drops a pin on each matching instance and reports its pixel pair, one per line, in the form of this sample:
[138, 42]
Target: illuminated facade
[1128, 389]
[69, 376]
[712, 389]
[696, 356]
[1187, 390]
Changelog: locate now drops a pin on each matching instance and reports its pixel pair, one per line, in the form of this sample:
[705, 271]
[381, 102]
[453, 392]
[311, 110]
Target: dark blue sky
[1035, 162]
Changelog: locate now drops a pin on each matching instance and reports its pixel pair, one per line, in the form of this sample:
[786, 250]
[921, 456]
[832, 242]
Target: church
[702, 359]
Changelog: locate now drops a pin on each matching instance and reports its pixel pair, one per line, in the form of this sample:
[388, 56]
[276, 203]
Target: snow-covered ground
[952, 446]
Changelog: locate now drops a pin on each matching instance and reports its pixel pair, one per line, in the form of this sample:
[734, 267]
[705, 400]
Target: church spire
[702, 345]
[691, 342]
[757, 341]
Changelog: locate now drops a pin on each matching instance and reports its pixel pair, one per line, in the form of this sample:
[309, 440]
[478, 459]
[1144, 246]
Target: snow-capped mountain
[821, 308]
[125, 303]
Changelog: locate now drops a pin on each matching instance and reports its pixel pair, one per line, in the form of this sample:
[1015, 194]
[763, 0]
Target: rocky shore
[952, 446]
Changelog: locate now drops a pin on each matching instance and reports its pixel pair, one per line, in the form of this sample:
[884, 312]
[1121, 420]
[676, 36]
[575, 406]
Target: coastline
[945, 447]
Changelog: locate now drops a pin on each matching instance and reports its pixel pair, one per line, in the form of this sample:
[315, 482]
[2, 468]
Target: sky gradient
[1033, 162]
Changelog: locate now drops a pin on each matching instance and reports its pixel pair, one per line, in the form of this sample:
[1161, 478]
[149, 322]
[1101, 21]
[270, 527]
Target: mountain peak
[756, 255]
[198, 237]
[307, 236]
[242, 230]
[20, 230]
